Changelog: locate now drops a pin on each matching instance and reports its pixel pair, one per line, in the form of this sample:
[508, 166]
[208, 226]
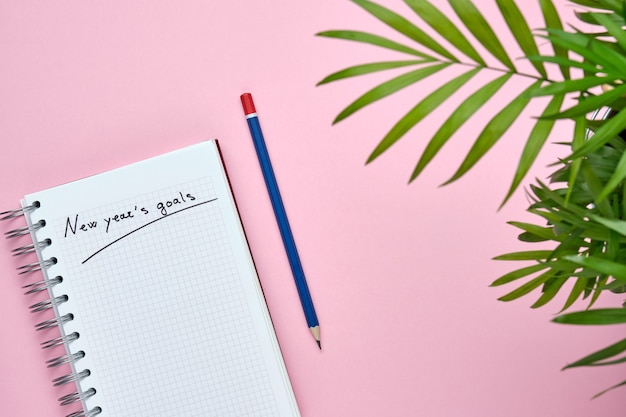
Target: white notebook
[155, 292]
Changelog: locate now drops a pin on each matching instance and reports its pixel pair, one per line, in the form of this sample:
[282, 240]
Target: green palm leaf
[577, 289]
[618, 176]
[389, 87]
[528, 286]
[478, 26]
[600, 316]
[552, 19]
[603, 279]
[590, 49]
[457, 118]
[569, 86]
[494, 131]
[580, 133]
[438, 21]
[533, 255]
[595, 187]
[368, 69]
[543, 233]
[564, 63]
[615, 5]
[521, 32]
[610, 129]
[587, 17]
[369, 38]
[603, 266]
[590, 103]
[612, 27]
[535, 142]
[519, 273]
[618, 226]
[550, 290]
[598, 358]
[421, 110]
[405, 27]
[621, 384]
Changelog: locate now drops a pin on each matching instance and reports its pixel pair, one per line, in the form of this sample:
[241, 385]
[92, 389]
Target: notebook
[154, 291]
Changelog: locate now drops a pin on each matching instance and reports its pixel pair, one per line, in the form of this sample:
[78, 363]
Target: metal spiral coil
[61, 340]
[33, 247]
[62, 360]
[48, 304]
[55, 322]
[21, 231]
[73, 377]
[36, 266]
[77, 396]
[43, 285]
[59, 321]
[11, 214]
[91, 413]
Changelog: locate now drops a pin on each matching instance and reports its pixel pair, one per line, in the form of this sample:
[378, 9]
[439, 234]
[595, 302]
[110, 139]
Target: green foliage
[584, 231]
[582, 210]
[597, 58]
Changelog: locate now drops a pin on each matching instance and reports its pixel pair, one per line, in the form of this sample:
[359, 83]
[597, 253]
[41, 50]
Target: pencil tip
[315, 331]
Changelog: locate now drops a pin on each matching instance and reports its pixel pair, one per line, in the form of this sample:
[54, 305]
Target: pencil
[281, 216]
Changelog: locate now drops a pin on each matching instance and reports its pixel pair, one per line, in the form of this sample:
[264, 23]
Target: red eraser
[248, 104]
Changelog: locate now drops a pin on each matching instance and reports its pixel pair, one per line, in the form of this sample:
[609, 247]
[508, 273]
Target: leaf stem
[503, 70]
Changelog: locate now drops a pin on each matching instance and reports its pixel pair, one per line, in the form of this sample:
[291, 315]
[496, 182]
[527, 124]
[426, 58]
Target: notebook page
[163, 291]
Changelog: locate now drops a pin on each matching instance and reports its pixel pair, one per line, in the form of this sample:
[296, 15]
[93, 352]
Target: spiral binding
[43, 285]
[6, 215]
[51, 303]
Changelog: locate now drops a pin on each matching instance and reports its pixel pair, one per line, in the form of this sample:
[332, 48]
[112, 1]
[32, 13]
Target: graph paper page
[163, 291]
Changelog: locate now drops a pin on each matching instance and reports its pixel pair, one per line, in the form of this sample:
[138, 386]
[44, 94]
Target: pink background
[399, 273]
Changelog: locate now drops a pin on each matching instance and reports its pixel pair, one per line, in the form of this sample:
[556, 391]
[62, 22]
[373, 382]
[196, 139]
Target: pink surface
[399, 274]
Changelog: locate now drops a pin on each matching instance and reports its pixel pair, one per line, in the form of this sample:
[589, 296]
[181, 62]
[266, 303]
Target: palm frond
[389, 87]
[405, 27]
[493, 131]
[444, 27]
[583, 211]
[427, 48]
[456, 119]
[534, 144]
[600, 357]
[478, 26]
[614, 5]
[376, 40]
[600, 316]
[521, 32]
[420, 111]
[613, 27]
[552, 20]
[368, 69]
[609, 130]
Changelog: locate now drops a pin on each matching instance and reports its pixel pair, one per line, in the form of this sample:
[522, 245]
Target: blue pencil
[281, 216]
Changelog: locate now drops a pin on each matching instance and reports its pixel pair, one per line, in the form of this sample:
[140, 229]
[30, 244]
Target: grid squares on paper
[168, 325]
